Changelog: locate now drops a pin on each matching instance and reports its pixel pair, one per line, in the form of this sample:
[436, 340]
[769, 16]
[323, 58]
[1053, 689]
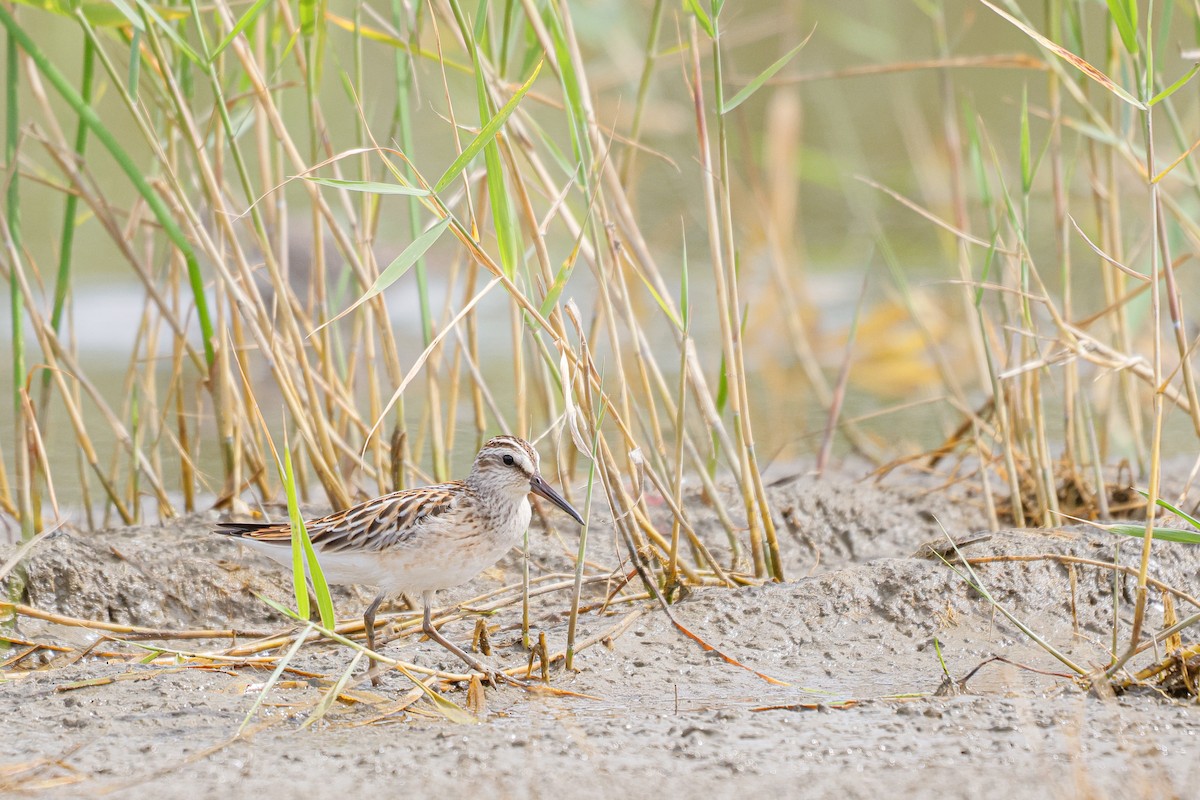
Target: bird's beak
[538, 485]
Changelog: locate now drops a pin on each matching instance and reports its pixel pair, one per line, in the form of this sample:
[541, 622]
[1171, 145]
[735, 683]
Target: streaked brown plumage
[422, 540]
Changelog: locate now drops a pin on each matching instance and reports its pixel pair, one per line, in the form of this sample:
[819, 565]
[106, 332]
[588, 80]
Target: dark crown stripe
[506, 442]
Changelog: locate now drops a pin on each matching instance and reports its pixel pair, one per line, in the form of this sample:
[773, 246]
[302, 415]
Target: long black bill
[538, 486]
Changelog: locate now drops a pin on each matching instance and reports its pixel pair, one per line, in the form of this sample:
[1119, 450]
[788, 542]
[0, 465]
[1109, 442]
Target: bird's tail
[242, 529]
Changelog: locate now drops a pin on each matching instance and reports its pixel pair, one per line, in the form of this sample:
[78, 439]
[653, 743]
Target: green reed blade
[400, 265]
[1171, 507]
[1026, 160]
[332, 693]
[702, 17]
[308, 17]
[504, 218]
[764, 76]
[243, 22]
[1176, 86]
[506, 30]
[129, 14]
[170, 32]
[1125, 15]
[132, 171]
[486, 134]
[12, 214]
[100, 13]
[303, 554]
[560, 281]
[1159, 534]
[971, 578]
[135, 62]
[371, 187]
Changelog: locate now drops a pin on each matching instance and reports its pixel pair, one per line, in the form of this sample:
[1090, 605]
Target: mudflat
[857, 704]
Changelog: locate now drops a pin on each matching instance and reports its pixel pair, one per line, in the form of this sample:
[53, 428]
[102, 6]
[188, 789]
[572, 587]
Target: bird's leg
[493, 674]
[369, 623]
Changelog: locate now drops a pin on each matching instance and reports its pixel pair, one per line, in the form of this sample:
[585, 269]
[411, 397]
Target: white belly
[439, 556]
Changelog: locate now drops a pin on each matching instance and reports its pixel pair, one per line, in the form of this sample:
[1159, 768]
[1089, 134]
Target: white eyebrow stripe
[499, 445]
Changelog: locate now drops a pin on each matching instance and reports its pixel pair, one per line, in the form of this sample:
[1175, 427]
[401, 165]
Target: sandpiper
[424, 539]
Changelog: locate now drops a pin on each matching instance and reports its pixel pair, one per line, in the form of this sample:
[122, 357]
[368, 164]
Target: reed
[399, 229]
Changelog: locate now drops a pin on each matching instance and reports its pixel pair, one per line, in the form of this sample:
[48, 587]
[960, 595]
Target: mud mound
[858, 521]
[826, 523]
[174, 576]
[869, 629]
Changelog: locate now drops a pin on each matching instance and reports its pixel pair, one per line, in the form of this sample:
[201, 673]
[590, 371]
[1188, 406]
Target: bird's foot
[496, 677]
[373, 673]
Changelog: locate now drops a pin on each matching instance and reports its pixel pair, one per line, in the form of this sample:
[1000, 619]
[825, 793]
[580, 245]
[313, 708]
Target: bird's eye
[508, 460]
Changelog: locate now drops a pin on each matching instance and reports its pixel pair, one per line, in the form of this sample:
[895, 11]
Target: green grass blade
[722, 387]
[372, 187]
[1176, 511]
[486, 134]
[1159, 534]
[12, 216]
[320, 586]
[170, 32]
[702, 17]
[1176, 86]
[373, 35]
[402, 263]
[975, 583]
[662, 304]
[245, 21]
[975, 156]
[937, 648]
[331, 695]
[303, 553]
[308, 17]
[1026, 159]
[560, 281]
[132, 171]
[299, 585]
[403, 121]
[101, 13]
[504, 218]
[130, 16]
[764, 76]
[1124, 14]
[1148, 73]
[479, 34]
[135, 63]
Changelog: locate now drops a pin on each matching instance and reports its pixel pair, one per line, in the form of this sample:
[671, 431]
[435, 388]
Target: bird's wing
[370, 526]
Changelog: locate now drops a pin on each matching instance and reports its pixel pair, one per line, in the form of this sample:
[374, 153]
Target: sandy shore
[851, 634]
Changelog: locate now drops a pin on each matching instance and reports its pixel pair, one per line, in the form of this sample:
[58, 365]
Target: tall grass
[228, 110]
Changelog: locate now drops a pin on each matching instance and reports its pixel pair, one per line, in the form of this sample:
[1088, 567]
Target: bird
[422, 539]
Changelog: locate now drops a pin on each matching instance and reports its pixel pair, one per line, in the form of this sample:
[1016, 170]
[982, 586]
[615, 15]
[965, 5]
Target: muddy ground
[653, 712]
